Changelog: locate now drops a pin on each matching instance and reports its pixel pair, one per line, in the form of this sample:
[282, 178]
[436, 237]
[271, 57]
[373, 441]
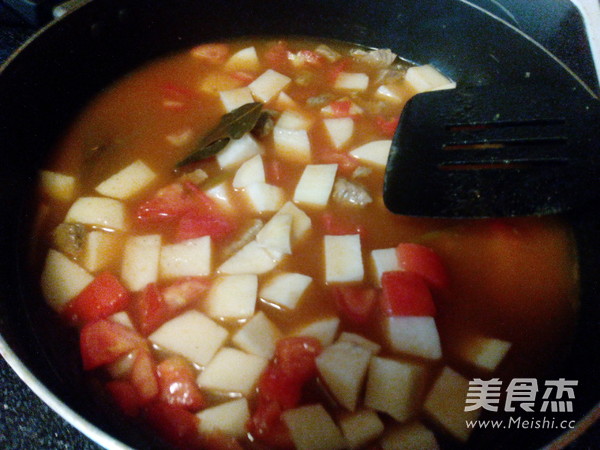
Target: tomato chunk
[175, 425]
[212, 53]
[184, 292]
[177, 384]
[104, 296]
[173, 202]
[423, 261]
[309, 57]
[104, 341]
[125, 396]
[220, 441]
[243, 76]
[341, 108]
[280, 387]
[406, 294]
[195, 224]
[341, 65]
[387, 126]
[148, 309]
[275, 395]
[143, 376]
[176, 97]
[295, 357]
[274, 387]
[276, 56]
[336, 225]
[355, 303]
[274, 171]
[346, 162]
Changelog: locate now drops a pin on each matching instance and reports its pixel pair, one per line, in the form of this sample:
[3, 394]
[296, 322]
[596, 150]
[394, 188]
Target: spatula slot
[482, 167]
[489, 144]
[482, 151]
[476, 126]
[507, 165]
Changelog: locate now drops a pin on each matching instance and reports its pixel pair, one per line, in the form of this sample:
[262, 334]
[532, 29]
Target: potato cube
[343, 258]
[62, 280]
[327, 52]
[181, 138]
[122, 318]
[284, 101]
[357, 339]
[141, 257]
[232, 297]
[417, 336]
[427, 78]
[127, 182]
[265, 197]
[221, 194]
[315, 185]
[339, 130]
[276, 234]
[389, 93]
[324, 330]
[445, 404]
[244, 59]
[410, 436]
[258, 336]
[192, 335]
[215, 82]
[100, 211]
[228, 418]
[234, 98]
[291, 120]
[268, 85]
[354, 110]
[237, 151]
[352, 81]
[361, 427]
[58, 186]
[293, 145]
[312, 428]
[301, 222]
[252, 171]
[122, 366]
[100, 250]
[374, 153]
[483, 352]
[197, 176]
[190, 258]
[232, 371]
[395, 387]
[343, 367]
[384, 260]
[252, 258]
[285, 289]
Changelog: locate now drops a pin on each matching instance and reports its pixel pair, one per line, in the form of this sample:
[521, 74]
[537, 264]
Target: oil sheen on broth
[264, 297]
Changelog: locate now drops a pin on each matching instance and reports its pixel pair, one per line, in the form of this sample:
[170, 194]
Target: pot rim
[58, 406]
[103, 438]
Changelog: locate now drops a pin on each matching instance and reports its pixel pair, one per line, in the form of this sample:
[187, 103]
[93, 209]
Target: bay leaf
[204, 152]
[232, 125]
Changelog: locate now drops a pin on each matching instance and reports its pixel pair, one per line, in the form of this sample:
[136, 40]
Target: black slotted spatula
[486, 151]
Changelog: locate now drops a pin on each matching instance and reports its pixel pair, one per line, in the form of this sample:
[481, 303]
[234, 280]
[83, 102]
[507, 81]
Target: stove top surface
[26, 422]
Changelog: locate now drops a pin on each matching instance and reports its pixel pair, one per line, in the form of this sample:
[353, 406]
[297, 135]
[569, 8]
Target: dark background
[27, 423]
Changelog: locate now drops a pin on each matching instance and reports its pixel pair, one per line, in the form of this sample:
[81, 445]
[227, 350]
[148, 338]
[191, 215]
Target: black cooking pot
[46, 83]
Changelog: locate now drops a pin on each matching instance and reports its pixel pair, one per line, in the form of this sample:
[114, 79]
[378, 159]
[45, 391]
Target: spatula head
[492, 152]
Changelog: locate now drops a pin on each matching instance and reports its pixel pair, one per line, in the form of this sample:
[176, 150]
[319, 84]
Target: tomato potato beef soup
[213, 225]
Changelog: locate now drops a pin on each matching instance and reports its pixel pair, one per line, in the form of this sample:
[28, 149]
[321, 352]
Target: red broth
[505, 287]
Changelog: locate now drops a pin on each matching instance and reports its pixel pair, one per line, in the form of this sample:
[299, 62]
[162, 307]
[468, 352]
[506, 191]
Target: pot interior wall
[45, 86]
